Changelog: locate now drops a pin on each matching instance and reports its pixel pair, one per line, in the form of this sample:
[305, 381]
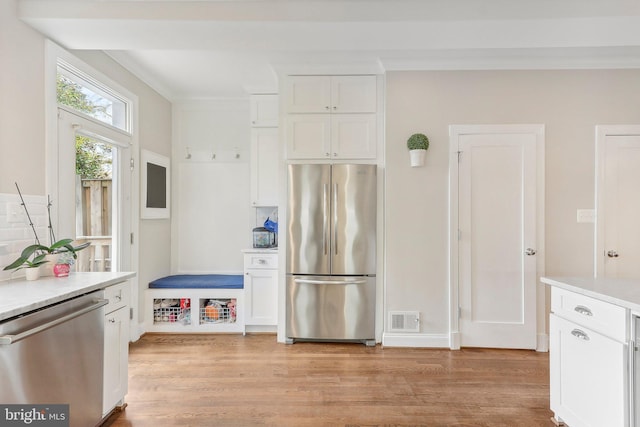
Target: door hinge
[131, 238]
[459, 312]
[459, 156]
[459, 234]
[130, 313]
[131, 163]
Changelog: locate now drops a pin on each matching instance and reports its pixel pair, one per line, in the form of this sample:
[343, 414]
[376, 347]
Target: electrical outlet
[15, 213]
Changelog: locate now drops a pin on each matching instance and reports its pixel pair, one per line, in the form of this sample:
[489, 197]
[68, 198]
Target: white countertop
[21, 296]
[622, 292]
[260, 251]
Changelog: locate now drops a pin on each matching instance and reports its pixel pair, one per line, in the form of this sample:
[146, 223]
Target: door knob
[612, 254]
[530, 252]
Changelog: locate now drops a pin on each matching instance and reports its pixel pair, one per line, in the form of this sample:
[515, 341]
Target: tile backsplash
[262, 213]
[15, 231]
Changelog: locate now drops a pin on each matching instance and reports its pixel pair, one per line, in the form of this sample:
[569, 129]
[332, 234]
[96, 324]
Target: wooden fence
[93, 223]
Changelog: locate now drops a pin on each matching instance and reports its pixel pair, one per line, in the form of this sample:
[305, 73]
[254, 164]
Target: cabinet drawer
[118, 296]
[260, 261]
[600, 316]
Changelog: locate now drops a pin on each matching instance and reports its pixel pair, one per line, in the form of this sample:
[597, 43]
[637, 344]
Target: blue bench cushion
[199, 281]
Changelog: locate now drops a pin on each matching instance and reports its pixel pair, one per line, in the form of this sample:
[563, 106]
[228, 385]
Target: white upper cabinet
[331, 94]
[264, 110]
[264, 167]
[331, 117]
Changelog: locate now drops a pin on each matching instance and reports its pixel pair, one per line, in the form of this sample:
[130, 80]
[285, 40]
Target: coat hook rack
[188, 156]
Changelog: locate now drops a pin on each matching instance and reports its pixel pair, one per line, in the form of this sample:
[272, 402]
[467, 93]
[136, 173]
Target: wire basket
[218, 311]
[170, 311]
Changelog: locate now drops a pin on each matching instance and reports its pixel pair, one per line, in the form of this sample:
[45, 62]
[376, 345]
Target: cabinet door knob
[327, 154]
[530, 252]
[612, 254]
[580, 334]
[335, 108]
[326, 107]
[583, 310]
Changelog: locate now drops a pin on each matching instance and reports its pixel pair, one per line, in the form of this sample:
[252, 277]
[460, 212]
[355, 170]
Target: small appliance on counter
[264, 238]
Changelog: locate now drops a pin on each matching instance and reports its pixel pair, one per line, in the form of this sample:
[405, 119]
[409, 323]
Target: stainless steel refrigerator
[331, 252]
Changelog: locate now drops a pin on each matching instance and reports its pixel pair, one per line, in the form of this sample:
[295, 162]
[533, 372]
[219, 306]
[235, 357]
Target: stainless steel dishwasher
[55, 356]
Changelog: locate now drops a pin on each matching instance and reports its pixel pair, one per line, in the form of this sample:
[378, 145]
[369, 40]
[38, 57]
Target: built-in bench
[196, 303]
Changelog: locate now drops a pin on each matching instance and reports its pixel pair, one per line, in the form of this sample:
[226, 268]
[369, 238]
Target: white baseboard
[542, 344]
[415, 340]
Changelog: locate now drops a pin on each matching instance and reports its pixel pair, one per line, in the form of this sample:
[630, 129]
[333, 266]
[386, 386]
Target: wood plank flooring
[235, 380]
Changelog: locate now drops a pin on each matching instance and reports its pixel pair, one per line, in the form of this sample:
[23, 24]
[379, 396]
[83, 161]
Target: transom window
[79, 91]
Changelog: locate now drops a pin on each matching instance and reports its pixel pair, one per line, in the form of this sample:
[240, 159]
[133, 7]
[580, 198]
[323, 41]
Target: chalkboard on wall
[155, 186]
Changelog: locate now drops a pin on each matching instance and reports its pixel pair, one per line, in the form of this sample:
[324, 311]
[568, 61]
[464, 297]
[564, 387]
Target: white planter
[32, 273]
[417, 157]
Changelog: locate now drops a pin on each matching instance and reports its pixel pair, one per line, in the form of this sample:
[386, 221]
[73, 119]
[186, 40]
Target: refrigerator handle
[330, 282]
[335, 218]
[325, 218]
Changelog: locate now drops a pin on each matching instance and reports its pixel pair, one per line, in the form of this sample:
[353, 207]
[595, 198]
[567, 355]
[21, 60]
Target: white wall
[212, 218]
[569, 103]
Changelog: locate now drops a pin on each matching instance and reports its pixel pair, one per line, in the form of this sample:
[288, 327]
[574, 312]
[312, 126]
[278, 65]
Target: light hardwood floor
[235, 380]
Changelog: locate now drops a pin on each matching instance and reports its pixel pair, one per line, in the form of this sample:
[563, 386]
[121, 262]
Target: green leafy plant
[418, 141]
[24, 262]
[34, 255]
[39, 252]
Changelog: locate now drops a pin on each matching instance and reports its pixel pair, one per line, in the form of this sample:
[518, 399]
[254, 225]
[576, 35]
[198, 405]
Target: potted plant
[43, 254]
[418, 144]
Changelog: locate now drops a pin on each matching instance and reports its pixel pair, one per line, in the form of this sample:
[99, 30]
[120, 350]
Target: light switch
[586, 215]
[15, 213]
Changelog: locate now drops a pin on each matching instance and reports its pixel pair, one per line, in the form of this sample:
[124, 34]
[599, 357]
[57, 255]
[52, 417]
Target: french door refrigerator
[331, 252]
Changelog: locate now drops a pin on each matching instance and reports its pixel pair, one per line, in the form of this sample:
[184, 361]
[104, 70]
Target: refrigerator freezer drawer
[331, 307]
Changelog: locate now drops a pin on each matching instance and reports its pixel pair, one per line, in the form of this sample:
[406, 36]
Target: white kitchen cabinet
[264, 166]
[331, 117]
[261, 288]
[331, 94]
[335, 136]
[264, 110]
[116, 346]
[588, 361]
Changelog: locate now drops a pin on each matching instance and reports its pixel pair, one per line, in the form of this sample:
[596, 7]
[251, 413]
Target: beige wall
[569, 103]
[22, 154]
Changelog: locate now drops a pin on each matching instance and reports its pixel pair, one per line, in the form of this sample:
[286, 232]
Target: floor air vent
[404, 321]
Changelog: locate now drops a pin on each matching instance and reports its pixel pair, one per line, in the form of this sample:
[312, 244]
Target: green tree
[93, 159]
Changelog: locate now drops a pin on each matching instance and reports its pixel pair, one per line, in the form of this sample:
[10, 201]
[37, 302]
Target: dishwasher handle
[10, 339]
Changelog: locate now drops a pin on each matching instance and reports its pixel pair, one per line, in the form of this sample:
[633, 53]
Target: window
[77, 90]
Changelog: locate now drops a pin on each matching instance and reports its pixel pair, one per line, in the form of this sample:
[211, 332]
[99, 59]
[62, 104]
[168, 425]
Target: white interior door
[618, 202]
[497, 236]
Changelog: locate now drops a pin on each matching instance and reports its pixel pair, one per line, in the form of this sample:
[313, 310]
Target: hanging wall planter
[418, 145]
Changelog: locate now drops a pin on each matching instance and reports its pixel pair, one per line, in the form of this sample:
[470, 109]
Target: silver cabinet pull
[580, 334]
[530, 252]
[583, 310]
[612, 254]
